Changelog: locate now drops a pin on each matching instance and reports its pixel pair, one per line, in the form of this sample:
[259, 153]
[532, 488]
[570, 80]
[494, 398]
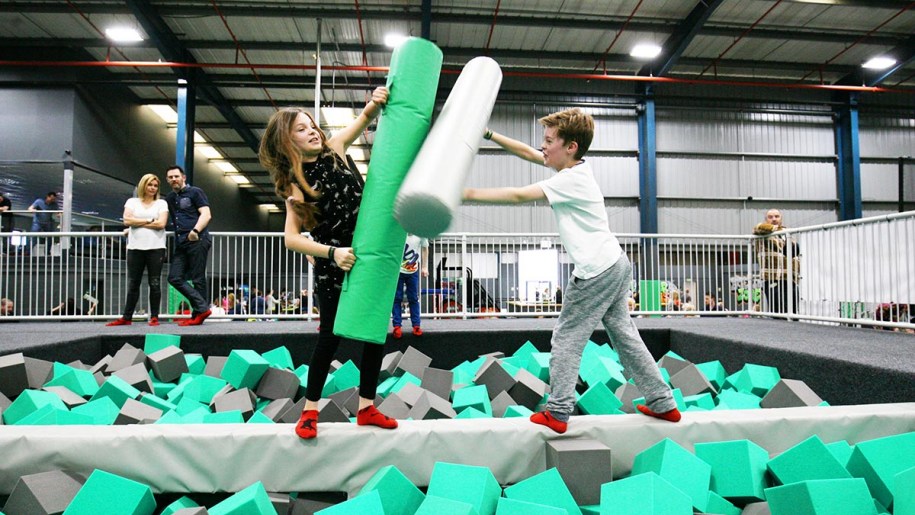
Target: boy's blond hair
[572, 125]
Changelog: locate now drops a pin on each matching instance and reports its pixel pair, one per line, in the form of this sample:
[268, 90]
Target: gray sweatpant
[586, 301]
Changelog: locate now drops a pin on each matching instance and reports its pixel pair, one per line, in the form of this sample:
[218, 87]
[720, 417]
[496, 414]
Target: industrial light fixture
[165, 112]
[337, 116]
[239, 179]
[879, 63]
[645, 51]
[208, 152]
[225, 166]
[123, 35]
[394, 40]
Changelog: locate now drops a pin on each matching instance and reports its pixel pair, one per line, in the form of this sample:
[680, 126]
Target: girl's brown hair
[279, 155]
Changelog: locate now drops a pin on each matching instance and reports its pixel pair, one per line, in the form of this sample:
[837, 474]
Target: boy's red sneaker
[120, 321]
[196, 319]
[417, 331]
[398, 332]
[370, 416]
[154, 321]
[307, 426]
[670, 416]
[545, 419]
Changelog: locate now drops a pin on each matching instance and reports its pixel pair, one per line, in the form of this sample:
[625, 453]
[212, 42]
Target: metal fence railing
[858, 273]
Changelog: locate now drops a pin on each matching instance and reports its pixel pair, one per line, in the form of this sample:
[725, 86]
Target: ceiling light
[123, 35]
[879, 63]
[208, 152]
[239, 179]
[645, 51]
[225, 166]
[394, 40]
[338, 116]
[198, 138]
[165, 112]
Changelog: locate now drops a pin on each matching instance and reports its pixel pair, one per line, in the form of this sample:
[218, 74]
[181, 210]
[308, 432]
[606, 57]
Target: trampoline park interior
[744, 106]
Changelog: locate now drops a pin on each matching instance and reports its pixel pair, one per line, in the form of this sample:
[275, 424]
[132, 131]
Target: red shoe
[196, 320]
[370, 416]
[398, 332]
[417, 331]
[154, 321]
[120, 321]
[545, 419]
[307, 426]
[670, 416]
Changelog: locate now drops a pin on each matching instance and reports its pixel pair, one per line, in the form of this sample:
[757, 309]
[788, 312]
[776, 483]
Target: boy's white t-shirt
[144, 238]
[412, 254]
[578, 206]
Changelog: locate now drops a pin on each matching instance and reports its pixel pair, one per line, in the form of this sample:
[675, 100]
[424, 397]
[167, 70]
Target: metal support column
[187, 106]
[848, 166]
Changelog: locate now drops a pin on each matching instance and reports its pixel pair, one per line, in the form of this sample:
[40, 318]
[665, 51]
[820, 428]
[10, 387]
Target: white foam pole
[432, 190]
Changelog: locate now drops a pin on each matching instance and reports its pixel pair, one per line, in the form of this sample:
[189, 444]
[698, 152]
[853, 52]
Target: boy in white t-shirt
[413, 265]
[599, 286]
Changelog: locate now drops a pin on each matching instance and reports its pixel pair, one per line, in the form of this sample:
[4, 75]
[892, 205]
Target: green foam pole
[368, 289]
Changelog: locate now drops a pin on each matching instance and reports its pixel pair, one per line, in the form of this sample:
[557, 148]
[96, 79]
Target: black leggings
[372, 354]
[139, 261]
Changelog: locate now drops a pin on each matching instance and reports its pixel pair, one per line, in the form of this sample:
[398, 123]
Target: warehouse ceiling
[248, 58]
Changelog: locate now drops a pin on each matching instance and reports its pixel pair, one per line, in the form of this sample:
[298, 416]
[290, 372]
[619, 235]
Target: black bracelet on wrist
[488, 134]
[330, 253]
[194, 230]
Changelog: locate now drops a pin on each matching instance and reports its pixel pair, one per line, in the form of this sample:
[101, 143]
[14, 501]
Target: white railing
[859, 273]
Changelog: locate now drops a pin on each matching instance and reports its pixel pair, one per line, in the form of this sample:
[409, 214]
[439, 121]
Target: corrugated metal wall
[719, 170]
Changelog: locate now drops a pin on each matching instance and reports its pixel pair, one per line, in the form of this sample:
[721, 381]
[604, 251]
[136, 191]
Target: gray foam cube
[497, 355]
[501, 403]
[410, 393]
[101, 365]
[413, 361]
[78, 364]
[222, 391]
[136, 376]
[528, 389]
[196, 510]
[389, 364]
[127, 356]
[242, 400]
[330, 411]
[70, 398]
[135, 412]
[44, 493]
[347, 399]
[430, 407]
[672, 365]
[280, 501]
[39, 372]
[168, 363]
[494, 377]
[438, 381]
[583, 464]
[278, 384]
[756, 508]
[394, 407]
[292, 415]
[214, 366]
[277, 409]
[309, 503]
[627, 393]
[4, 401]
[790, 393]
[13, 375]
[691, 381]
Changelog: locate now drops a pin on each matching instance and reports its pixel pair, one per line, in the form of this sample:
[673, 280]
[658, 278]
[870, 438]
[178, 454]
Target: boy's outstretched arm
[513, 146]
[520, 195]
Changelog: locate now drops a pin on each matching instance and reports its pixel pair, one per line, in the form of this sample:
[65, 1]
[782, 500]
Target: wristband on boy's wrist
[488, 134]
[194, 230]
[330, 253]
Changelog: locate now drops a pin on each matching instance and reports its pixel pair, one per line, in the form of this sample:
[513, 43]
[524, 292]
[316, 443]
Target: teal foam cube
[841, 450]
[806, 461]
[155, 342]
[224, 417]
[904, 493]
[679, 467]
[259, 418]
[28, 402]
[368, 504]
[117, 390]
[715, 373]
[81, 382]
[104, 492]
[49, 415]
[822, 497]
[279, 357]
[157, 402]
[403, 380]
[195, 363]
[465, 483]
[347, 376]
[180, 504]
[878, 461]
[603, 370]
[471, 412]
[525, 351]
[476, 397]
[398, 495]
[539, 365]
[103, 411]
[441, 506]
[720, 506]
[253, 500]
[756, 379]
[730, 399]
[643, 494]
[244, 368]
[517, 411]
[545, 488]
[703, 400]
[515, 507]
[202, 388]
[599, 400]
[738, 469]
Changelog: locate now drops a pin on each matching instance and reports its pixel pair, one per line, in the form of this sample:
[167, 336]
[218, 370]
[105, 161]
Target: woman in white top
[145, 216]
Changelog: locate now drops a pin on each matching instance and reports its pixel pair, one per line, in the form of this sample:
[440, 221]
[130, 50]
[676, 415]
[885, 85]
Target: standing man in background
[189, 210]
[415, 255]
[778, 256]
[6, 220]
[43, 222]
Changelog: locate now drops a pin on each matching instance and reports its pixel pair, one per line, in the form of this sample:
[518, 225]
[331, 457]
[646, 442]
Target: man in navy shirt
[43, 222]
[189, 210]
